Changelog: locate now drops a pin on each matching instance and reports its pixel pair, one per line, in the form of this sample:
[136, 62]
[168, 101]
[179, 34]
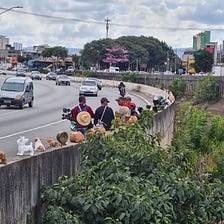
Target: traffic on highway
[44, 118]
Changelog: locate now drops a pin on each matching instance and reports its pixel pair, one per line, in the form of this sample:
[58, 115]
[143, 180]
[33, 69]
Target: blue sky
[73, 23]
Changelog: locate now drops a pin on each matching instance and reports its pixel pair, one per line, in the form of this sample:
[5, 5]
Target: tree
[58, 51]
[21, 59]
[208, 90]
[116, 55]
[177, 87]
[141, 50]
[127, 178]
[203, 61]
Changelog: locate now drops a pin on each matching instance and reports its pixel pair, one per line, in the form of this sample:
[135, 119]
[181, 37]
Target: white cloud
[148, 18]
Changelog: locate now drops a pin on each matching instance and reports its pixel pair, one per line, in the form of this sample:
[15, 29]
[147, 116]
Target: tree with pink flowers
[116, 55]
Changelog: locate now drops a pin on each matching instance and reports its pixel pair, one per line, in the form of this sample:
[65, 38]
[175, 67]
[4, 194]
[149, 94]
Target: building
[17, 46]
[200, 40]
[211, 47]
[38, 49]
[3, 42]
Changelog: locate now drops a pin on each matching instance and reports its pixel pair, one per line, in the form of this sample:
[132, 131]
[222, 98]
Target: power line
[116, 24]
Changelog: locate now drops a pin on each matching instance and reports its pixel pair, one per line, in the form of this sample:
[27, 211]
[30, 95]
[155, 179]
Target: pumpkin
[90, 132]
[76, 137]
[132, 119]
[62, 137]
[101, 130]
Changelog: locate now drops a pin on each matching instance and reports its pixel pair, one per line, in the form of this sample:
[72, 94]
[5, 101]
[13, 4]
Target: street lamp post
[14, 7]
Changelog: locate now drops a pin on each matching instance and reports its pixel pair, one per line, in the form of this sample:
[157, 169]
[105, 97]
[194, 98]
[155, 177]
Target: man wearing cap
[82, 115]
[104, 114]
[122, 101]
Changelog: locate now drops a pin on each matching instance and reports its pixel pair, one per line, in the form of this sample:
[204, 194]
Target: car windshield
[63, 77]
[88, 83]
[13, 86]
[94, 79]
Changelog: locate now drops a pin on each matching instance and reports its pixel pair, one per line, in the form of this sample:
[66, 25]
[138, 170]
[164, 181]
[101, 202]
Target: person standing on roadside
[131, 105]
[83, 122]
[104, 114]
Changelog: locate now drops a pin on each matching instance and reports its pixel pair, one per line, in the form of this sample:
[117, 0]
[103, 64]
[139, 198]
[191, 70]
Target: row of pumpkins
[78, 137]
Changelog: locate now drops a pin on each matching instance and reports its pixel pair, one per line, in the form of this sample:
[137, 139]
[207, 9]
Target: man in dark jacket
[104, 114]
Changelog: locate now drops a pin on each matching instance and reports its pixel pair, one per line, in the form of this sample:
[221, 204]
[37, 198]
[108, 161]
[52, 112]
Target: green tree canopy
[208, 90]
[141, 50]
[127, 178]
[203, 61]
[58, 51]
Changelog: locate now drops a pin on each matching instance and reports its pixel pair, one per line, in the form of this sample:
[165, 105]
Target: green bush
[178, 87]
[198, 131]
[127, 178]
[208, 90]
[129, 77]
[89, 73]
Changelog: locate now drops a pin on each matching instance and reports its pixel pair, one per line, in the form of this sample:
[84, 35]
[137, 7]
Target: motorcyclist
[121, 88]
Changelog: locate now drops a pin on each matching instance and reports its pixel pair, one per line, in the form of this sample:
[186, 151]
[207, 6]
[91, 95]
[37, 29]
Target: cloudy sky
[73, 23]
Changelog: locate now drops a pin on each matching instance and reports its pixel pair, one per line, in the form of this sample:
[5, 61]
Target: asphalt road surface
[44, 118]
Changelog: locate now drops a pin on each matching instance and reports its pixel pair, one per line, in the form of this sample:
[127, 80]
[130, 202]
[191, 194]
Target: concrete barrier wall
[21, 180]
[154, 80]
[164, 123]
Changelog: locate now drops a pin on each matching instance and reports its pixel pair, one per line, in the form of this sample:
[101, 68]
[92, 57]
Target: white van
[17, 91]
[114, 69]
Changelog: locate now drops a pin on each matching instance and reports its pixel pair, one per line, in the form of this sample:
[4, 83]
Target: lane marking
[32, 129]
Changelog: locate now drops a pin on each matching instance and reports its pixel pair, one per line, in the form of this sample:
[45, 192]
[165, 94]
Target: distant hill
[71, 51]
[74, 50]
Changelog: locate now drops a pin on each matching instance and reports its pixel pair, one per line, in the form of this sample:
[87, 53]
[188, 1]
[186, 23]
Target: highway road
[44, 118]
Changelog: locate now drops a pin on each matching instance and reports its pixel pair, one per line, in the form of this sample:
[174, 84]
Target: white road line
[33, 129]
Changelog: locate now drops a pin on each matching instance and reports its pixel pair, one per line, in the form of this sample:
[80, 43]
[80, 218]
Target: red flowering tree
[116, 55]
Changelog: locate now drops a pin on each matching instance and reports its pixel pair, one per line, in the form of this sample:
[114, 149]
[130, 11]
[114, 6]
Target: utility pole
[107, 26]
[168, 62]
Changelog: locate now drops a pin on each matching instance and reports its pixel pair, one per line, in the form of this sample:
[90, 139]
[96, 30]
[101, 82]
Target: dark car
[36, 75]
[63, 80]
[51, 76]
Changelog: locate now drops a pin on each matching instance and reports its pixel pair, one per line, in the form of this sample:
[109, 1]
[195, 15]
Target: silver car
[36, 75]
[98, 81]
[63, 80]
[89, 87]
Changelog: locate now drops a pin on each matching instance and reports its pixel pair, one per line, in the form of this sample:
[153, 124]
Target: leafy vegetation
[127, 178]
[203, 61]
[88, 73]
[58, 51]
[177, 87]
[129, 77]
[141, 50]
[199, 132]
[208, 90]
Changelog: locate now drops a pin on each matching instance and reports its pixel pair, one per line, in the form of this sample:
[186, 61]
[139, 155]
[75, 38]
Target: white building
[3, 42]
[18, 46]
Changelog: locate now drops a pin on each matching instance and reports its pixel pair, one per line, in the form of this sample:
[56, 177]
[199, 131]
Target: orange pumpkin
[101, 130]
[132, 119]
[76, 137]
[90, 132]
